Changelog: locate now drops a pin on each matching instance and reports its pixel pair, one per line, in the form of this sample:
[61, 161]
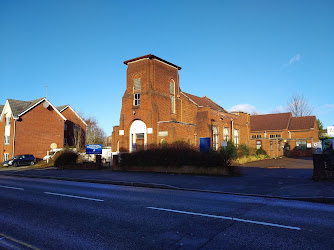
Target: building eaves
[204, 102]
[151, 56]
[18, 106]
[62, 108]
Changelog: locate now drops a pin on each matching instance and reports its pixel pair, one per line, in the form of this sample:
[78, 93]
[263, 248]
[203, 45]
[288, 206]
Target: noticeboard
[95, 149]
[204, 144]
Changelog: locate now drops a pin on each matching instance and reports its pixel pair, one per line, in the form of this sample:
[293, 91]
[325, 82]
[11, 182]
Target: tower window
[172, 96]
[136, 90]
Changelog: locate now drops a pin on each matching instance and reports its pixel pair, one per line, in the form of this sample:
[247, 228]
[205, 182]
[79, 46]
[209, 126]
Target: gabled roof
[62, 108]
[204, 102]
[151, 56]
[278, 121]
[1, 108]
[304, 122]
[19, 107]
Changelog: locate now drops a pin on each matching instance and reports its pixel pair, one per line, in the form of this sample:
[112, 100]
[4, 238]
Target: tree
[320, 125]
[94, 133]
[299, 106]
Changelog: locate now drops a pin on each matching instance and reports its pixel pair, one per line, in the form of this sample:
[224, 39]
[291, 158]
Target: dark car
[20, 160]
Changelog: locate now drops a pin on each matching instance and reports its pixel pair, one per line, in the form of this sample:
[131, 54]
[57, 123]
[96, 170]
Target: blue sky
[251, 55]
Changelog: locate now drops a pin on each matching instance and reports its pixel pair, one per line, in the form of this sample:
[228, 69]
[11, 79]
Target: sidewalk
[276, 180]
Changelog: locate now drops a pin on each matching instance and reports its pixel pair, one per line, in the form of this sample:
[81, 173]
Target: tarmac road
[54, 214]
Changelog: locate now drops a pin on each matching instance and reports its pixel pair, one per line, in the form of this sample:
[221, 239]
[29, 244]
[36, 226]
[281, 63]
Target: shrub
[261, 151]
[178, 154]
[242, 151]
[66, 158]
[230, 151]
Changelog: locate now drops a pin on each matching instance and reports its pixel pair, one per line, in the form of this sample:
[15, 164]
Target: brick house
[74, 127]
[155, 110]
[29, 127]
[281, 134]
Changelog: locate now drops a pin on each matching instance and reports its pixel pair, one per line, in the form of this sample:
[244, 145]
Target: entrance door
[286, 149]
[140, 141]
[138, 136]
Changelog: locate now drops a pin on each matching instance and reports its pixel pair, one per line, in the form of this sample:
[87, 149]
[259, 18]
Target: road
[52, 214]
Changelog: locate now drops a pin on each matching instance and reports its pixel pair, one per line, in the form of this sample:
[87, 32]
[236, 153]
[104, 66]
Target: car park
[20, 160]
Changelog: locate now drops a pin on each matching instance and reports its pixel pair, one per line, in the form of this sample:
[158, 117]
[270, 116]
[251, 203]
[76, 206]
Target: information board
[94, 149]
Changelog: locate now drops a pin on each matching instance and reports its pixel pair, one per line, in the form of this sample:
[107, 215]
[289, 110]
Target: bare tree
[94, 133]
[299, 106]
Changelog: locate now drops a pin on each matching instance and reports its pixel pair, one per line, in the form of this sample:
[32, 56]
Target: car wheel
[32, 163]
[16, 164]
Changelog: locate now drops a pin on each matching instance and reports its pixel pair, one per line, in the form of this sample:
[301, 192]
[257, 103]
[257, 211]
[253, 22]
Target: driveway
[290, 163]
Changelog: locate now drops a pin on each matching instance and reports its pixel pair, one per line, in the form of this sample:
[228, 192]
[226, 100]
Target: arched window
[136, 90]
[172, 96]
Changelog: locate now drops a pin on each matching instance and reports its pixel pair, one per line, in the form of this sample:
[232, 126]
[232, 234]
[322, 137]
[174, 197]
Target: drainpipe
[14, 138]
[232, 131]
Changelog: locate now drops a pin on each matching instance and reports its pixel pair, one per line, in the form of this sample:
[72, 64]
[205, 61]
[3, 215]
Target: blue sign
[94, 149]
[204, 144]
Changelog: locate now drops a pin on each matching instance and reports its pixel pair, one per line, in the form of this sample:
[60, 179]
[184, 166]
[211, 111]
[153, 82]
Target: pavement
[285, 178]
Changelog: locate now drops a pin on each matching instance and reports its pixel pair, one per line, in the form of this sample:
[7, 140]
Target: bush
[178, 154]
[230, 151]
[261, 151]
[66, 158]
[242, 151]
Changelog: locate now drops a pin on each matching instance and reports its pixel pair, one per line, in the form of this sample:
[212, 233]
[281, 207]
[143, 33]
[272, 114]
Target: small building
[281, 134]
[30, 127]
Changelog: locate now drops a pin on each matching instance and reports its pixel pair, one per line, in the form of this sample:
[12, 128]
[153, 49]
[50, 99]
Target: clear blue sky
[255, 54]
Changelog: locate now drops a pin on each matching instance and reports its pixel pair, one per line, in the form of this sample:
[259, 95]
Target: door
[140, 141]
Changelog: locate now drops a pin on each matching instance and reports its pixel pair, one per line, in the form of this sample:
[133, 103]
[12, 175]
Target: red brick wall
[37, 129]
[73, 119]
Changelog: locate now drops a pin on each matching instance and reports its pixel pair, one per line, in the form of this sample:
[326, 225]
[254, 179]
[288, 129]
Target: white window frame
[7, 139]
[172, 96]
[7, 121]
[236, 137]
[136, 99]
[5, 156]
[226, 134]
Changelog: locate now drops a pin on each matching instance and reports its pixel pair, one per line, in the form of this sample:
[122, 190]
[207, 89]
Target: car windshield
[16, 157]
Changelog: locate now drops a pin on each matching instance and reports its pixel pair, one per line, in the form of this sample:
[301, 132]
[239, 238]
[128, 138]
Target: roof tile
[278, 121]
[304, 122]
[204, 102]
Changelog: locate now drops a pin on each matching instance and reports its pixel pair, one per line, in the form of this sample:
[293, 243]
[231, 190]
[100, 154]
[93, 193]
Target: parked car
[20, 160]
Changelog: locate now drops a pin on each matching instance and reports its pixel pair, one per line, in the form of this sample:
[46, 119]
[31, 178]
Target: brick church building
[155, 110]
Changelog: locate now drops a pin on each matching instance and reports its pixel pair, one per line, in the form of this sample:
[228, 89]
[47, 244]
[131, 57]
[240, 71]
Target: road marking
[12, 187]
[11, 246]
[225, 218]
[74, 196]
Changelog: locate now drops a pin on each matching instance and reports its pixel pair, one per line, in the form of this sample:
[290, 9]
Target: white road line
[225, 218]
[12, 187]
[74, 196]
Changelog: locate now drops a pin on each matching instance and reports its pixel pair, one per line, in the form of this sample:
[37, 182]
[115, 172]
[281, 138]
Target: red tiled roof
[270, 122]
[151, 56]
[304, 122]
[204, 102]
